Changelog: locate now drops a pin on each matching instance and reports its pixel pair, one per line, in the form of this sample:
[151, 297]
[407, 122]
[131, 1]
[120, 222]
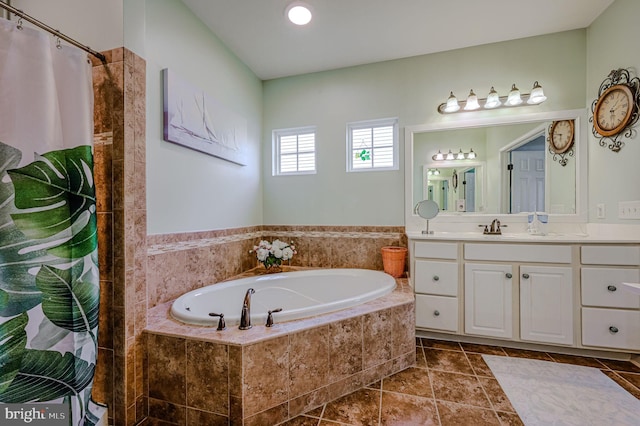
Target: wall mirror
[495, 182]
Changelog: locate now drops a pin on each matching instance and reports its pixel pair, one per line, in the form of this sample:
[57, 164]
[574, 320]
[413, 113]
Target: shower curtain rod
[55, 32]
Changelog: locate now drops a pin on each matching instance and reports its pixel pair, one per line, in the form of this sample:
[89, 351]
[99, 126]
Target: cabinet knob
[508, 275]
[612, 288]
[525, 276]
[613, 329]
[436, 278]
[436, 313]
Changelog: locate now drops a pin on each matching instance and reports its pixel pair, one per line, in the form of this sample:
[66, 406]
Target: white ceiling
[353, 32]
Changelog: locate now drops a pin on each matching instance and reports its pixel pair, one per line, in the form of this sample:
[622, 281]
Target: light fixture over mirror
[493, 100]
[451, 156]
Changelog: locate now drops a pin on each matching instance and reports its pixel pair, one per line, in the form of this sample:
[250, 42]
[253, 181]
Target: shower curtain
[49, 283]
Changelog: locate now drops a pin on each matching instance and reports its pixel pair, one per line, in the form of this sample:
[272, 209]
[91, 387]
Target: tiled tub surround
[178, 263]
[264, 376]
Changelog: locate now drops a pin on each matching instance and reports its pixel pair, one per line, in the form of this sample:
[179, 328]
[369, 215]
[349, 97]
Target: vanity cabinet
[610, 316]
[567, 294]
[546, 304]
[436, 285]
[488, 307]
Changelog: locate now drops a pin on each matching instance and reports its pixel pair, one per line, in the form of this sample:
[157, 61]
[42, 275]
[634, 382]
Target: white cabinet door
[546, 304]
[488, 300]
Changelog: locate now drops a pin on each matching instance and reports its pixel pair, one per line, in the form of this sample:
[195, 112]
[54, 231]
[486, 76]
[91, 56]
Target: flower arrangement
[272, 254]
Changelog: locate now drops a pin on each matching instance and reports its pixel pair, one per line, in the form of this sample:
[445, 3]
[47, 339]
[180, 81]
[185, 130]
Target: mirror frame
[415, 223]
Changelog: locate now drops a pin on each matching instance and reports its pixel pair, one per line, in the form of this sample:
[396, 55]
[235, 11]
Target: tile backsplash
[178, 263]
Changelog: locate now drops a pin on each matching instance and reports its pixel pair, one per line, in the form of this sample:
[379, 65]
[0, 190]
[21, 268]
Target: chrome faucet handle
[221, 324]
[270, 317]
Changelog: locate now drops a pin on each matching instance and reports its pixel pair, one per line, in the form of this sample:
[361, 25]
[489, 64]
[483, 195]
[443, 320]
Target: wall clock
[561, 137]
[615, 110]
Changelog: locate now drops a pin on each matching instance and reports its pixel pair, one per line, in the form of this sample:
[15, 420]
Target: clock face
[613, 110]
[561, 137]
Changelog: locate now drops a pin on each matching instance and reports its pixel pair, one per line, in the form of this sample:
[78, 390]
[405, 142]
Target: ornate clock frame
[620, 76]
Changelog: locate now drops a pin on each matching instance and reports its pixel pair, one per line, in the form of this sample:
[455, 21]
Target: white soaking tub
[300, 294]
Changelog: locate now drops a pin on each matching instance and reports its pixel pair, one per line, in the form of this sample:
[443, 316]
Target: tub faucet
[245, 317]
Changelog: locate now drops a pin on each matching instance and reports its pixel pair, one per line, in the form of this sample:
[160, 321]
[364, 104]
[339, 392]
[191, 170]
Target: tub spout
[245, 316]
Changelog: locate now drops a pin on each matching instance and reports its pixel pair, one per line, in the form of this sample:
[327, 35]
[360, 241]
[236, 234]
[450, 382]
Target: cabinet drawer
[437, 312]
[436, 250]
[610, 255]
[611, 328]
[518, 252]
[601, 287]
[439, 278]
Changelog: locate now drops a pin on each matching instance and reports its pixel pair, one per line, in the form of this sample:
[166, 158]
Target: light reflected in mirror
[513, 171]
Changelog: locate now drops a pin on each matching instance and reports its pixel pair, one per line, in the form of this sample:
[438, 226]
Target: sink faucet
[245, 317]
[493, 229]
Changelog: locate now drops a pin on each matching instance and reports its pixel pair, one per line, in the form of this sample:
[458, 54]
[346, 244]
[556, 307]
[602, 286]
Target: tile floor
[450, 385]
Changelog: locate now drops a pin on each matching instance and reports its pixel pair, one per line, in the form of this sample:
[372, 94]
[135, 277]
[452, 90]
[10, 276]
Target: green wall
[409, 89]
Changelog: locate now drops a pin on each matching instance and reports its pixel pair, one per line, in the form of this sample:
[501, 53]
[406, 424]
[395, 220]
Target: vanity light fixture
[450, 156]
[433, 172]
[493, 100]
[298, 13]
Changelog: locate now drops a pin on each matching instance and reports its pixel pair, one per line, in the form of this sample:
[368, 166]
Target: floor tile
[482, 349]
[421, 362]
[452, 361]
[452, 414]
[441, 344]
[509, 419]
[361, 407]
[523, 353]
[302, 421]
[479, 366]
[412, 381]
[403, 410]
[617, 365]
[577, 360]
[496, 395]
[460, 388]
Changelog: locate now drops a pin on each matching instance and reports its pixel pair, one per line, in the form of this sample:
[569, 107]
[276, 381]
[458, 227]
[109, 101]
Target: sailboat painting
[197, 121]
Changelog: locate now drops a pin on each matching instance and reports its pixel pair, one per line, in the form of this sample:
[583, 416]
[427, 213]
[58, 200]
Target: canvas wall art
[194, 119]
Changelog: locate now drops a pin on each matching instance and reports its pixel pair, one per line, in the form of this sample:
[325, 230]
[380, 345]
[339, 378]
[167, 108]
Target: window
[372, 145]
[294, 151]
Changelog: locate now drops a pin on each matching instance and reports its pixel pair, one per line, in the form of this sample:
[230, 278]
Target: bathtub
[300, 294]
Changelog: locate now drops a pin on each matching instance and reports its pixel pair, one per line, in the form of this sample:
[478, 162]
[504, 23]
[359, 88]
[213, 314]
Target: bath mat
[549, 393]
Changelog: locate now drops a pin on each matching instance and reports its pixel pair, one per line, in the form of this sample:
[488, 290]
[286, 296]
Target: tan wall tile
[308, 360]
[207, 376]
[167, 368]
[266, 375]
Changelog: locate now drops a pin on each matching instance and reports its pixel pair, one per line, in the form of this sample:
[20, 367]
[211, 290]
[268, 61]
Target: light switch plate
[601, 211]
[629, 210]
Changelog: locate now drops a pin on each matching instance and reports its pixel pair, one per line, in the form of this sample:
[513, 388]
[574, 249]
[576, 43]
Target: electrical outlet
[601, 211]
[629, 210]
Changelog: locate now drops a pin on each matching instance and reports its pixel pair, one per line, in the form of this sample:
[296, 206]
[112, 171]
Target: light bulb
[471, 155]
[472, 102]
[460, 155]
[493, 100]
[452, 104]
[438, 156]
[514, 97]
[299, 14]
[537, 95]
[450, 155]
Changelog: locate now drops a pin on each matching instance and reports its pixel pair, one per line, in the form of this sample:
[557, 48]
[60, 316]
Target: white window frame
[276, 157]
[384, 122]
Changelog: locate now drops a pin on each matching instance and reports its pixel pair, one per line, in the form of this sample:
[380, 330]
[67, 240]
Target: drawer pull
[525, 276]
[613, 329]
[508, 275]
[436, 313]
[436, 278]
[612, 288]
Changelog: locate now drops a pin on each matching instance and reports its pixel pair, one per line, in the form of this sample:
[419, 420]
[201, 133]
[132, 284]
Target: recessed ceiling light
[299, 13]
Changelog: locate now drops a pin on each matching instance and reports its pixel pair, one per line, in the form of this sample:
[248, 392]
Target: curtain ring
[58, 43]
[19, 25]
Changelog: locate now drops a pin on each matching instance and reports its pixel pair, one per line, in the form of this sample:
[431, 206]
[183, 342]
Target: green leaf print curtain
[49, 283]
